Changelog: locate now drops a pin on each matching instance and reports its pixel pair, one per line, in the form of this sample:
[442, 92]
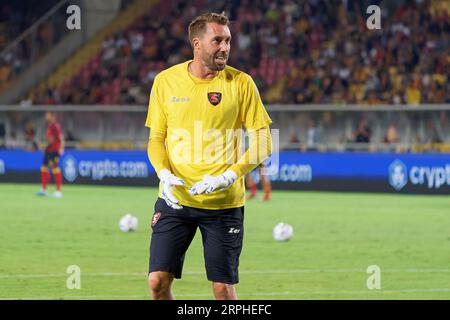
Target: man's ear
[195, 43]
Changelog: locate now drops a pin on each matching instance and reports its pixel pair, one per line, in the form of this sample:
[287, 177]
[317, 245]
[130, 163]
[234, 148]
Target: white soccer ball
[282, 232]
[128, 223]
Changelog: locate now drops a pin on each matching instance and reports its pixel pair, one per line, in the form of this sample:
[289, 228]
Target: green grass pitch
[337, 236]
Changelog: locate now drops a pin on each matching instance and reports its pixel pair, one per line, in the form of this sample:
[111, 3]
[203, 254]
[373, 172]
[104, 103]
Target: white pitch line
[279, 271]
[258, 294]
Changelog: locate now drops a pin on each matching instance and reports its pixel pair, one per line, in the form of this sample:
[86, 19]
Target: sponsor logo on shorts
[234, 230]
[155, 218]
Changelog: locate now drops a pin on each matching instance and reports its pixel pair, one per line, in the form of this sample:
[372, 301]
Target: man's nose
[224, 46]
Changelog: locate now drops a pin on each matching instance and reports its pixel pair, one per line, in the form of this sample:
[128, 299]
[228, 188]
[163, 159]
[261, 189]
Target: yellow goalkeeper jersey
[203, 121]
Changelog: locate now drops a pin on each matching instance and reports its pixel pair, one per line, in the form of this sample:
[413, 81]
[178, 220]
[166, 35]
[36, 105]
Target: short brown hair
[198, 25]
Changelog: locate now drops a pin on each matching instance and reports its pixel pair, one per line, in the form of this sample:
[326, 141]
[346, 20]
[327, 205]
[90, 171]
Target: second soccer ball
[128, 223]
[283, 232]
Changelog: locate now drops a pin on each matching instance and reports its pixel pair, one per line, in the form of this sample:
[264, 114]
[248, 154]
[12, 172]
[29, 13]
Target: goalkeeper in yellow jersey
[197, 112]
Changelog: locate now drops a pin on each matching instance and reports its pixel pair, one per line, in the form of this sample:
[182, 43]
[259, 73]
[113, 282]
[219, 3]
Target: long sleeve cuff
[156, 151]
[259, 150]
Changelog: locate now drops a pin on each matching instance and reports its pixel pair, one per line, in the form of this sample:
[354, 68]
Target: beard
[216, 61]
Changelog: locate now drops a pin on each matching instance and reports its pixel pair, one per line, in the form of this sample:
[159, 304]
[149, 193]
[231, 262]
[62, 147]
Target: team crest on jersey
[155, 218]
[214, 98]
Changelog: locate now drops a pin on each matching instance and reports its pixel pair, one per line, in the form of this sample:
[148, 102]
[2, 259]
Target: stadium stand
[308, 54]
[15, 18]
[32, 34]
[291, 48]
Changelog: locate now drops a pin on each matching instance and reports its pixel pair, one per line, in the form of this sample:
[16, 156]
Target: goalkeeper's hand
[168, 182]
[210, 184]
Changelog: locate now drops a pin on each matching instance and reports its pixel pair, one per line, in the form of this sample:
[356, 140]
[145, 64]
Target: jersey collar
[199, 80]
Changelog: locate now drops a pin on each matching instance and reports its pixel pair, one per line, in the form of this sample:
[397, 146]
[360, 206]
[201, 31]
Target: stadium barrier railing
[101, 140]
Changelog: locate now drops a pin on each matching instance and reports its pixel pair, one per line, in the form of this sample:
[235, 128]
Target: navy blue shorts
[51, 158]
[222, 233]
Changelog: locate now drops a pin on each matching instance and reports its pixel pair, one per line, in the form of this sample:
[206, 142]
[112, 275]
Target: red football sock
[58, 178]
[253, 189]
[267, 188]
[45, 178]
[267, 195]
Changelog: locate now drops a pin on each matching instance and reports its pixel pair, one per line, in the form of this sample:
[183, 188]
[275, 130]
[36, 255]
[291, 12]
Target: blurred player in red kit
[252, 185]
[53, 150]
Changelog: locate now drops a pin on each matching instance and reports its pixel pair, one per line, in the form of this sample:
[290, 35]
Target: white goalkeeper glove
[210, 184]
[169, 181]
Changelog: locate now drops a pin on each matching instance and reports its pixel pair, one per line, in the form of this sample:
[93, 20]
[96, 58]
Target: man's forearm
[260, 149]
[156, 151]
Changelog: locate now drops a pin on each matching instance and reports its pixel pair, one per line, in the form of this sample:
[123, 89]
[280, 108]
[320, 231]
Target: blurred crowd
[341, 61]
[307, 51]
[16, 16]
